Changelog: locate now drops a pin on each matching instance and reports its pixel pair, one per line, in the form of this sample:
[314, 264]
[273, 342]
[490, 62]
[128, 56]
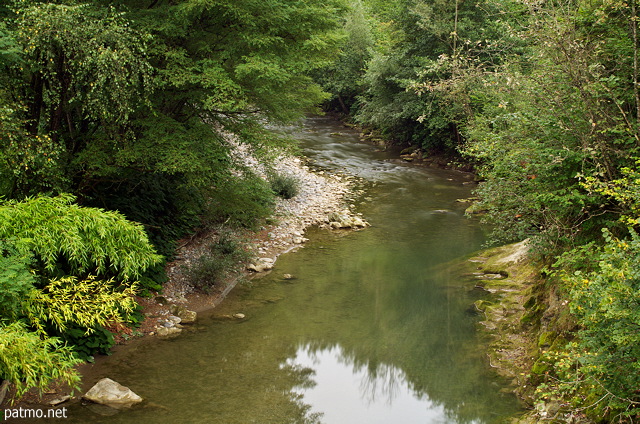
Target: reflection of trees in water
[302, 378]
[379, 381]
[382, 381]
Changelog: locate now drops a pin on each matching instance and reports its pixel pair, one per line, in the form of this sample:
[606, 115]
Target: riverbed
[369, 329]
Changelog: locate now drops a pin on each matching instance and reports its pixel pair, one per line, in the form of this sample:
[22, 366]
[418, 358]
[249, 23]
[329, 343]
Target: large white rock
[113, 394]
[261, 265]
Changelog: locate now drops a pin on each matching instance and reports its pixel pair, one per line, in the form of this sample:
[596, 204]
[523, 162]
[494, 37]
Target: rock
[168, 331]
[174, 319]
[58, 401]
[288, 277]
[161, 300]
[409, 150]
[4, 387]
[261, 265]
[186, 316]
[239, 316]
[110, 393]
[344, 219]
[490, 276]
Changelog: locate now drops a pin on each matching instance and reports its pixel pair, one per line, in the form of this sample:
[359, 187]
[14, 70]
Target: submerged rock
[58, 401]
[113, 394]
[345, 219]
[186, 316]
[168, 331]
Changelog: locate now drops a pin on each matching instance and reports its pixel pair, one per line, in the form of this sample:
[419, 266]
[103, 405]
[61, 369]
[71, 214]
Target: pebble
[320, 195]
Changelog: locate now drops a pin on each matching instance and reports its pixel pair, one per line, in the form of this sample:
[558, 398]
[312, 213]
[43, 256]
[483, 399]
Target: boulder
[174, 320]
[261, 265]
[186, 316]
[110, 393]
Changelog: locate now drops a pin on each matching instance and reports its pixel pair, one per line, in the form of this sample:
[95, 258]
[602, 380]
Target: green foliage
[599, 372]
[88, 59]
[605, 302]
[87, 344]
[84, 240]
[29, 163]
[343, 78]
[16, 281]
[28, 361]
[42, 238]
[625, 191]
[87, 303]
[546, 120]
[163, 202]
[283, 185]
[241, 202]
[218, 263]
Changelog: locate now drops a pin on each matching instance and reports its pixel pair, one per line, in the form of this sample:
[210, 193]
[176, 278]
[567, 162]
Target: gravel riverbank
[323, 200]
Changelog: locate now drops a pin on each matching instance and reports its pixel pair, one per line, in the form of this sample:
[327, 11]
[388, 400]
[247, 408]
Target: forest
[116, 118]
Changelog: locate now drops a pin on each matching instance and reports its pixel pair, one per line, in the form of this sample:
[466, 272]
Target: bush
[29, 361]
[285, 186]
[16, 280]
[70, 239]
[86, 345]
[220, 262]
[600, 368]
[239, 201]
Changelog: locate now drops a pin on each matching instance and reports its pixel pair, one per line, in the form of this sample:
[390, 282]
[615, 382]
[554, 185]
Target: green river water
[371, 330]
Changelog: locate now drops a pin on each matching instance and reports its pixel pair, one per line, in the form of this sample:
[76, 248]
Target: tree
[560, 111]
[422, 46]
[343, 78]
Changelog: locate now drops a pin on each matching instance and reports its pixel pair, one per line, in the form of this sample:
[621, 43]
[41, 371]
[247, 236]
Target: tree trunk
[4, 387]
[343, 106]
[634, 32]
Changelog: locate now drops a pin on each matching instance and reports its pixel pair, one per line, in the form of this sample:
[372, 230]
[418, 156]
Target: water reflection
[344, 391]
[371, 330]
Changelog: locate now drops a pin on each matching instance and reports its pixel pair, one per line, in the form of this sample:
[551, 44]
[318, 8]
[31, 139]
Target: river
[371, 330]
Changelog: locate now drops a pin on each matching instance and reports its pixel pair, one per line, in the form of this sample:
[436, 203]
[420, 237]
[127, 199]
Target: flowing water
[371, 330]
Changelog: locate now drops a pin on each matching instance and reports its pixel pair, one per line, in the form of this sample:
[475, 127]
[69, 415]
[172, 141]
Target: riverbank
[324, 199]
[522, 319]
